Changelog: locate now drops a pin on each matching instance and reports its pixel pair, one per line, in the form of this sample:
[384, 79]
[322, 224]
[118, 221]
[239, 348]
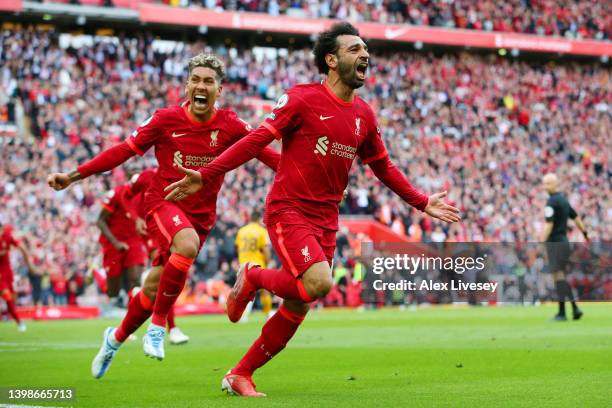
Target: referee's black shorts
[558, 256]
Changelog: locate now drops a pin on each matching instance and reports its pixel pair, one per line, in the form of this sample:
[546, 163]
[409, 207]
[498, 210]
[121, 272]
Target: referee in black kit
[557, 211]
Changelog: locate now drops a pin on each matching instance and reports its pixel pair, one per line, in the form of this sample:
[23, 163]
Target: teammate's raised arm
[269, 157]
[244, 150]
[105, 161]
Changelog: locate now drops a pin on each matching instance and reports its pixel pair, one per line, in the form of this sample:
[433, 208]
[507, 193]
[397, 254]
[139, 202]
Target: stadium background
[483, 121]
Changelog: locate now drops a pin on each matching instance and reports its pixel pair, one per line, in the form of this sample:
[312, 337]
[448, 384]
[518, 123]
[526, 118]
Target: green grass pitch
[442, 357]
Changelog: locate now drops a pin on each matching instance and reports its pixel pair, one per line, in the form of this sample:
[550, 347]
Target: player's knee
[323, 286]
[186, 243]
[318, 281]
[187, 249]
[134, 274]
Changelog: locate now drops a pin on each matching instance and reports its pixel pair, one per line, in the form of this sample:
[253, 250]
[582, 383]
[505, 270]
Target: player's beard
[348, 75]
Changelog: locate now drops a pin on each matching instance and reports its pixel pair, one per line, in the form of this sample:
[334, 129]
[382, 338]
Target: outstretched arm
[239, 153]
[269, 157]
[107, 160]
[433, 205]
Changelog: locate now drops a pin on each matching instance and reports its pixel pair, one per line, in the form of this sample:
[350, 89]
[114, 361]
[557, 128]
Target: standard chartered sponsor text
[198, 161]
[342, 150]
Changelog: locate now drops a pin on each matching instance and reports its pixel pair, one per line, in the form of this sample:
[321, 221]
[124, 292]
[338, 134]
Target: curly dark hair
[327, 43]
[208, 61]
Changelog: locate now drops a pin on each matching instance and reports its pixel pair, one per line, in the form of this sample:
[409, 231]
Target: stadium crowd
[484, 127]
[581, 19]
[571, 19]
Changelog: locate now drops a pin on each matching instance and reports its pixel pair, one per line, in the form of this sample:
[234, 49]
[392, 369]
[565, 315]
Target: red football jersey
[321, 136]
[121, 222]
[140, 184]
[7, 240]
[180, 140]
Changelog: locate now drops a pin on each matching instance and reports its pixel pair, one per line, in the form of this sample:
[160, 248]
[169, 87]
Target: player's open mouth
[200, 101]
[361, 70]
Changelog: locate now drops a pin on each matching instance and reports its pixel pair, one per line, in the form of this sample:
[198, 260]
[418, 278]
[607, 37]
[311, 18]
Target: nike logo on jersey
[325, 117]
[174, 134]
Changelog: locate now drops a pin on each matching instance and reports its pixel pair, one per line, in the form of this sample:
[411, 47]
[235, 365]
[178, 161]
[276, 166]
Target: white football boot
[102, 361]
[153, 342]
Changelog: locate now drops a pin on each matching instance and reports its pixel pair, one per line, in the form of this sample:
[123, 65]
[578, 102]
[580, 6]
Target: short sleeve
[146, 135]
[110, 201]
[285, 116]
[572, 213]
[549, 211]
[372, 148]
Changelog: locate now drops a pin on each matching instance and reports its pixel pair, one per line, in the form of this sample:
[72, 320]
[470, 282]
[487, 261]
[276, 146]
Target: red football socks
[280, 282]
[171, 284]
[170, 319]
[139, 310]
[275, 334]
[12, 310]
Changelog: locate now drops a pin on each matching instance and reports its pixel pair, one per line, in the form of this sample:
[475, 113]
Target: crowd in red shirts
[484, 127]
[571, 19]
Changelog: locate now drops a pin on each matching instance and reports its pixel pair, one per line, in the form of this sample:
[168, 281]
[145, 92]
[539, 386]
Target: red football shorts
[115, 261]
[164, 223]
[299, 244]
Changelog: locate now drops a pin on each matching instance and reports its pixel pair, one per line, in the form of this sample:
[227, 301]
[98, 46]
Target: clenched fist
[58, 181]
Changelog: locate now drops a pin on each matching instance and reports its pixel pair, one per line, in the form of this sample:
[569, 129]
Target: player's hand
[185, 187]
[121, 246]
[58, 181]
[141, 226]
[440, 210]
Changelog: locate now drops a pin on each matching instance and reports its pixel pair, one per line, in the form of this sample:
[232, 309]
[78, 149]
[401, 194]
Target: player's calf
[151, 282]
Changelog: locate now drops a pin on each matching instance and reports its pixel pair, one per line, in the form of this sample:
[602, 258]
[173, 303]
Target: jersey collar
[195, 122]
[336, 97]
